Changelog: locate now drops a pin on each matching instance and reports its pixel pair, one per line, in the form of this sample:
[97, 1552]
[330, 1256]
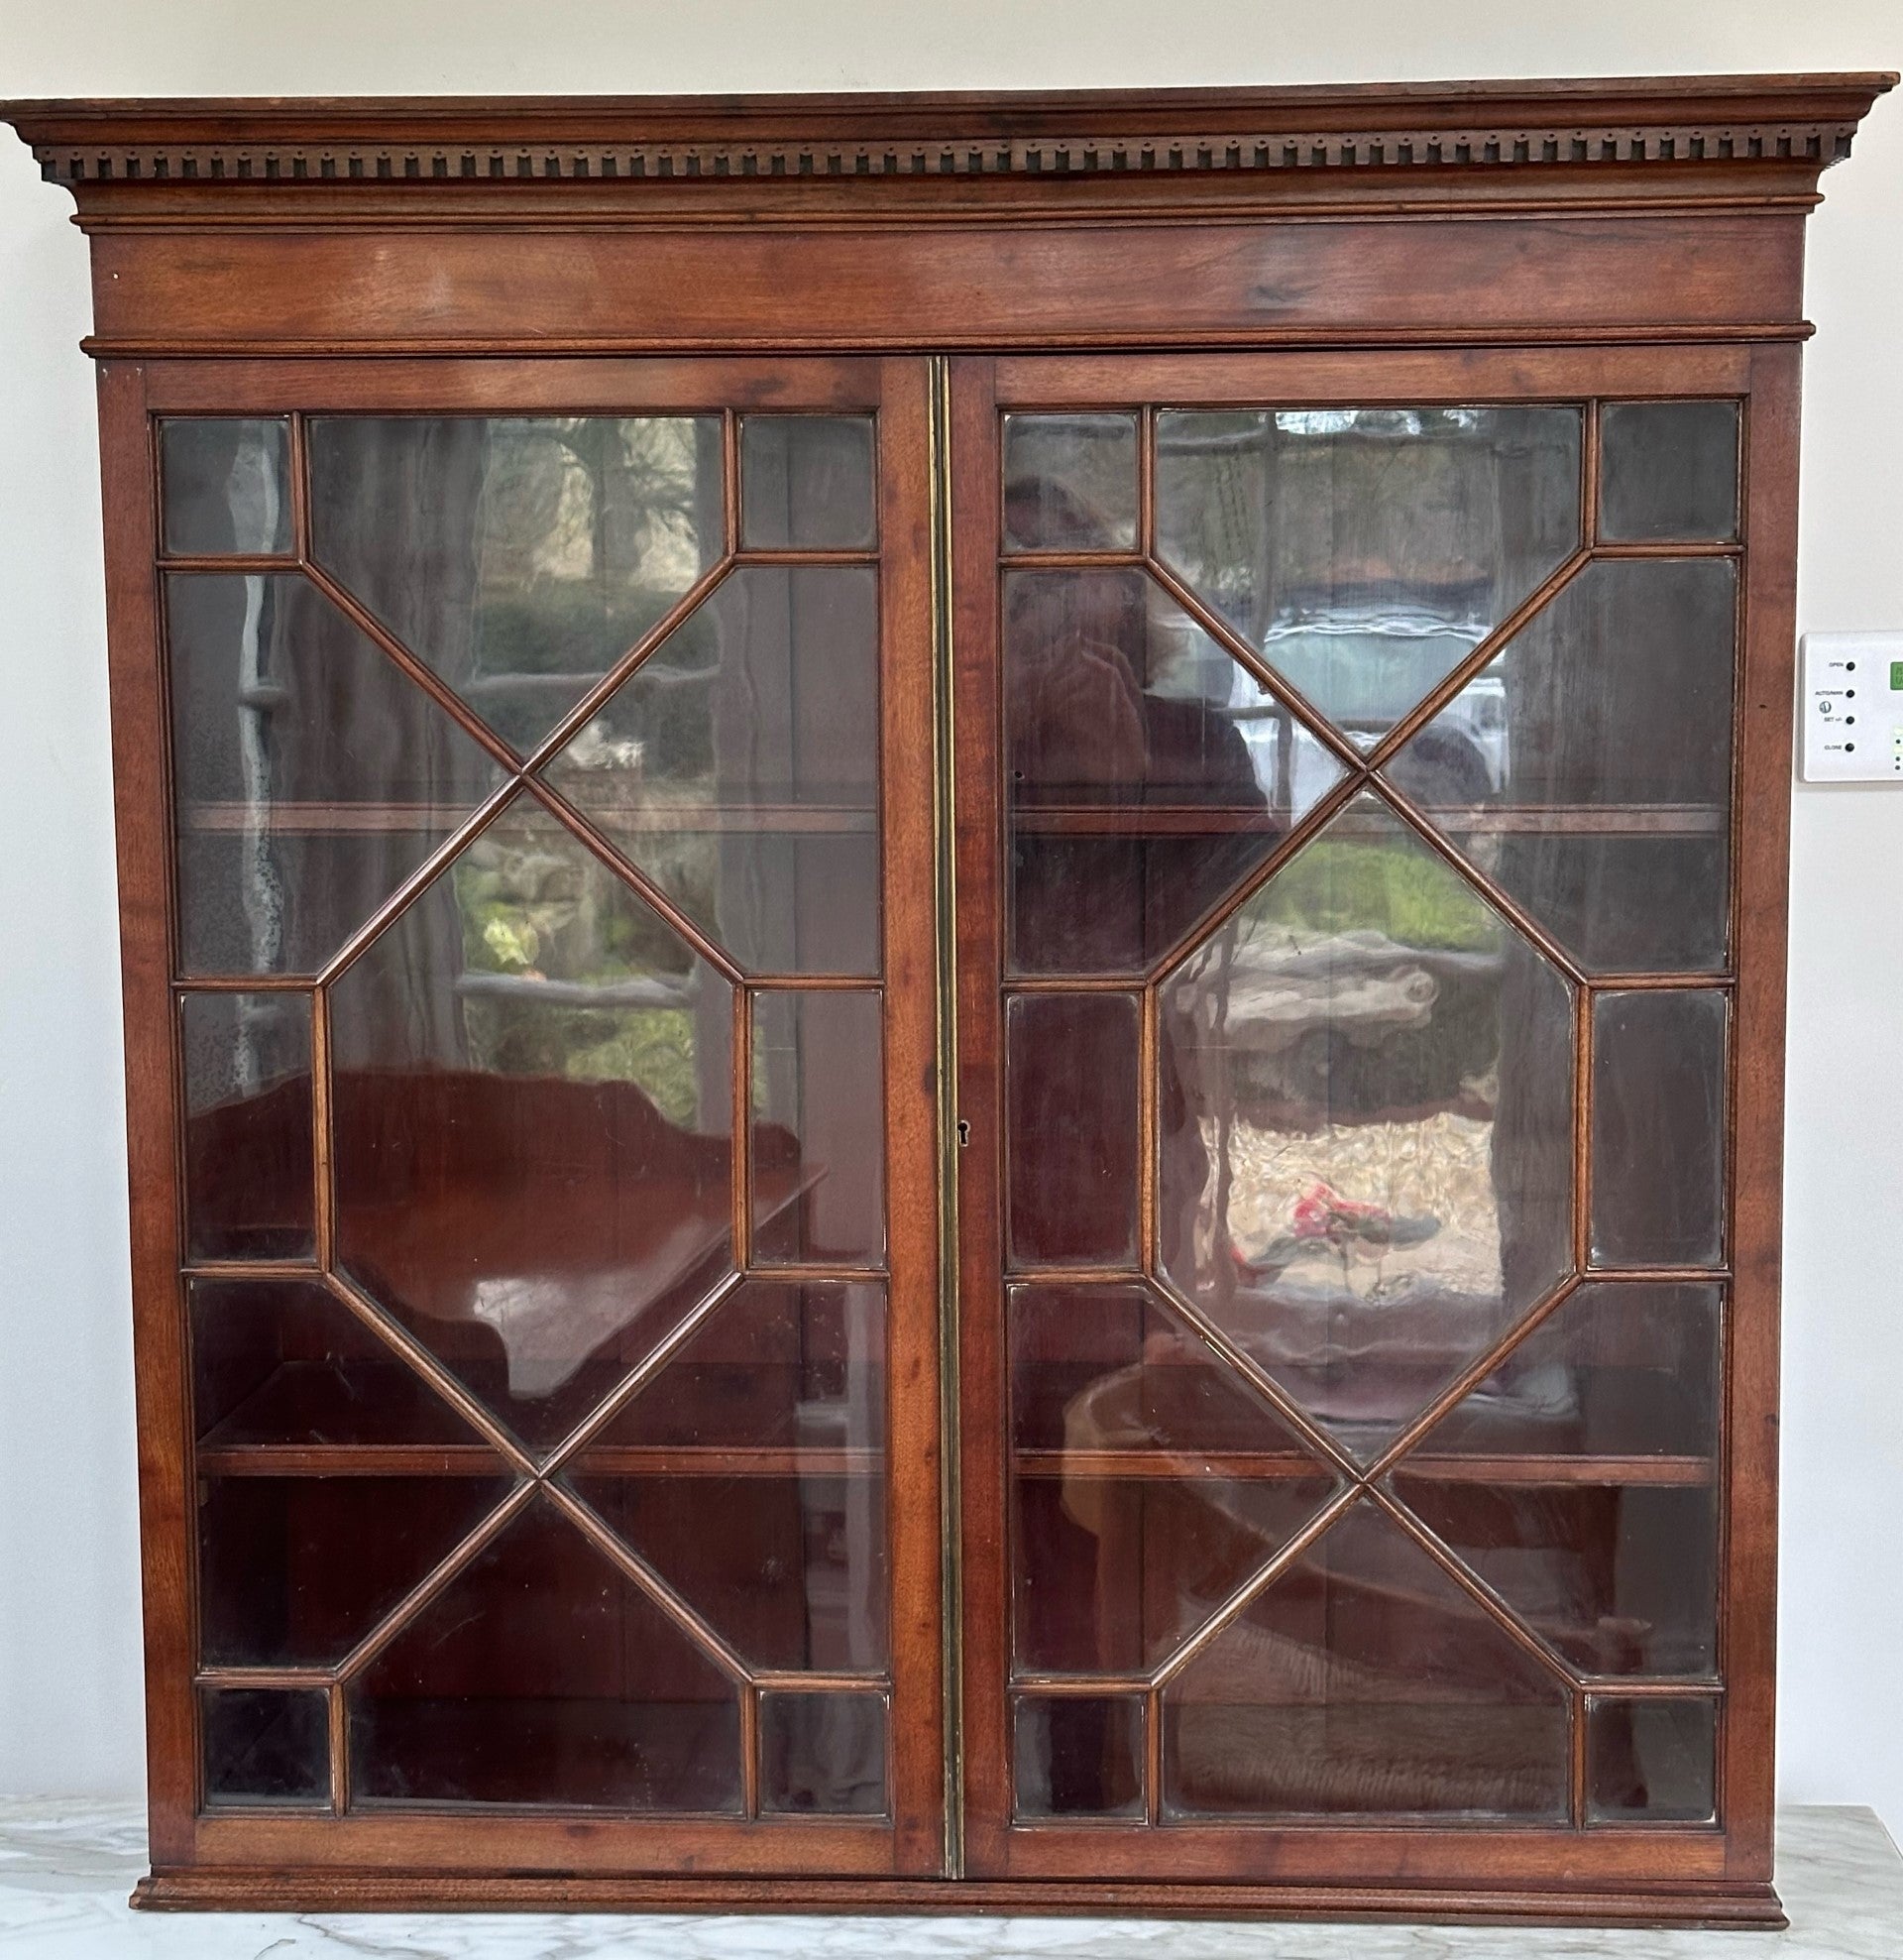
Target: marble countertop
[66, 1869]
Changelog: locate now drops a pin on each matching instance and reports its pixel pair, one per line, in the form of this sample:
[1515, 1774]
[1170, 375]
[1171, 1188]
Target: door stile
[977, 711]
[1767, 644]
[920, 1745]
[161, 1376]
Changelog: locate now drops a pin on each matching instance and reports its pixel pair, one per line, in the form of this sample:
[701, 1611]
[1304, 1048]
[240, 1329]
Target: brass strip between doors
[944, 836]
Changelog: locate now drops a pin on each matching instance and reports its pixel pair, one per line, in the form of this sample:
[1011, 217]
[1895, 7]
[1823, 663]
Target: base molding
[1735, 1905]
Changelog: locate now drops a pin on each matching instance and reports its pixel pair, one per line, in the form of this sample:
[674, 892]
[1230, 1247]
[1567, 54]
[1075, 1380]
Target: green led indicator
[1896, 676]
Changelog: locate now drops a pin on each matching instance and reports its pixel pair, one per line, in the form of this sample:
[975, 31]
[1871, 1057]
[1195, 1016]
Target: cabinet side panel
[1762, 858]
[164, 1400]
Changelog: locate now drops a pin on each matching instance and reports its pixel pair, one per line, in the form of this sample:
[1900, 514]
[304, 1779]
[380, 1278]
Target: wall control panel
[1853, 707]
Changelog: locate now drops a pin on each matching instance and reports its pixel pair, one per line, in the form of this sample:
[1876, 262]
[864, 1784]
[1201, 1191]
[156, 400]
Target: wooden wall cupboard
[954, 945]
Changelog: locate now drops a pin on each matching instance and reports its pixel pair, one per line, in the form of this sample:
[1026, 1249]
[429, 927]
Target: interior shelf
[476, 1459]
[1164, 1466]
[1219, 819]
[306, 819]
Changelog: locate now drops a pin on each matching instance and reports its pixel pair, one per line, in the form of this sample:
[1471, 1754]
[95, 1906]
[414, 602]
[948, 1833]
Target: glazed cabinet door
[538, 958]
[1353, 991]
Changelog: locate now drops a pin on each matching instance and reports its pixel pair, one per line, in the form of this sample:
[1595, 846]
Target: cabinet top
[1448, 140]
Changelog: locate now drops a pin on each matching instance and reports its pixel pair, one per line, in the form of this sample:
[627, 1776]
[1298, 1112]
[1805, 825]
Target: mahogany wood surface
[950, 257]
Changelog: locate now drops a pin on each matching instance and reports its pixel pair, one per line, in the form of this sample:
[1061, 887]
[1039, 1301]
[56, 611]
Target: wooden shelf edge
[1730, 1905]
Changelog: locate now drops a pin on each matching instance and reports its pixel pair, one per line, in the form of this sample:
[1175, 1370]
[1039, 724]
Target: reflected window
[1366, 552]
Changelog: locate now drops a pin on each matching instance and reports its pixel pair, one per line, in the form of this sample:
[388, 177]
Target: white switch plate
[1853, 707]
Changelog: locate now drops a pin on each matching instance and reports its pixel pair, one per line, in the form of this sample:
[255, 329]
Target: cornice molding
[790, 141]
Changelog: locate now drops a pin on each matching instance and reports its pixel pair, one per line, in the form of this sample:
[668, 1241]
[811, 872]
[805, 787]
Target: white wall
[70, 1691]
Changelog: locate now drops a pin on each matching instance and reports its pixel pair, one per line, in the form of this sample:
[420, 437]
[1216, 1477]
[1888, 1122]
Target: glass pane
[1659, 1128]
[1073, 1131]
[807, 483]
[1580, 1477]
[1619, 1371]
[1365, 1683]
[1365, 1113]
[533, 1111]
[312, 776]
[823, 1755]
[790, 1571]
[227, 485]
[1669, 469]
[294, 1570]
[1148, 774]
[519, 557]
[249, 1181]
[775, 1366]
[1077, 1756]
[266, 1745]
[1588, 769]
[1650, 1761]
[1620, 1577]
[1148, 1481]
[284, 1363]
[542, 1675]
[1070, 483]
[1366, 552]
[819, 1129]
[738, 766]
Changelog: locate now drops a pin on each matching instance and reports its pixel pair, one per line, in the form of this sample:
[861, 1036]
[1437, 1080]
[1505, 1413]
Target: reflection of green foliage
[575, 626]
[653, 1047]
[539, 906]
[1342, 885]
[513, 943]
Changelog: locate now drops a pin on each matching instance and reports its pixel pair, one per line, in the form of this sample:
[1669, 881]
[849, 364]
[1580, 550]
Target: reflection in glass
[790, 1571]
[226, 485]
[533, 1107]
[520, 557]
[1148, 1480]
[311, 775]
[807, 483]
[1148, 774]
[1077, 1755]
[821, 1754]
[1070, 483]
[265, 1746]
[1618, 1371]
[1365, 1115]
[818, 1128]
[1658, 1127]
[738, 766]
[279, 1362]
[1365, 1680]
[1366, 552]
[1579, 1478]
[1620, 1577]
[778, 1364]
[749, 1472]
[1668, 470]
[1651, 1760]
[294, 1570]
[1073, 1134]
[542, 1675]
[248, 1191]
[1606, 811]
